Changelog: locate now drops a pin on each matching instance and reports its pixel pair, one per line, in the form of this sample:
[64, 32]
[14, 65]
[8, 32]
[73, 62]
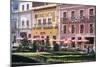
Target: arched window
[27, 22]
[64, 28]
[44, 21]
[23, 23]
[27, 6]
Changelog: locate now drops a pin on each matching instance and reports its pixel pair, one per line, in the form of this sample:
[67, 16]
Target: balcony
[82, 19]
[92, 18]
[48, 25]
[37, 26]
[64, 20]
[74, 19]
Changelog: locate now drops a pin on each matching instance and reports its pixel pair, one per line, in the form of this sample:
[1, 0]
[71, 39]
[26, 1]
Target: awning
[19, 38]
[80, 40]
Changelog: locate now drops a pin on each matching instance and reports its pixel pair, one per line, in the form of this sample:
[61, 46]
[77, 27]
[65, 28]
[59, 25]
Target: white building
[24, 24]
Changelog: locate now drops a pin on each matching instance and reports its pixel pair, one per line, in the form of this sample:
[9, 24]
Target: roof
[44, 6]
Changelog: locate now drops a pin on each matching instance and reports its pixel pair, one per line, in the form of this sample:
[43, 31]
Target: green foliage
[48, 47]
[56, 47]
[23, 47]
[62, 57]
[24, 43]
[34, 47]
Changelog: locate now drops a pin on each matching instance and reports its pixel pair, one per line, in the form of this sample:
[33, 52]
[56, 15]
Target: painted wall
[45, 13]
[25, 5]
[24, 15]
[77, 24]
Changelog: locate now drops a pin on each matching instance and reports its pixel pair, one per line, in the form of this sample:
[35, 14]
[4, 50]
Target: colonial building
[78, 23]
[24, 24]
[45, 22]
[72, 22]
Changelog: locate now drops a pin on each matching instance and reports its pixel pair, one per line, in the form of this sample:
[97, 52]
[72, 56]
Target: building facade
[56, 21]
[78, 23]
[24, 24]
[13, 20]
[45, 22]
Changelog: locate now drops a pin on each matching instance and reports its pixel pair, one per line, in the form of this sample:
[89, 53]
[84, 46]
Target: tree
[56, 46]
[24, 44]
[34, 46]
[48, 44]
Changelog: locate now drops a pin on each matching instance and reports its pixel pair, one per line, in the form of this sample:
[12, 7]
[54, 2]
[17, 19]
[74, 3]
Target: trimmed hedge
[59, 57]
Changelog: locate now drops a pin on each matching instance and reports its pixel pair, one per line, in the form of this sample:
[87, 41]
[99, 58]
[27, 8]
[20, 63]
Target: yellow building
[45, 22]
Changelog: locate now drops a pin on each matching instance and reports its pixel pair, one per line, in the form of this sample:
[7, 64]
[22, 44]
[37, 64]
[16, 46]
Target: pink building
[78, 22]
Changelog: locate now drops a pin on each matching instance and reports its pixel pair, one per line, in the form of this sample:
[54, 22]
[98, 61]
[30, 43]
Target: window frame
[81, 30]
[23, 7]
[44, 23]
[91, 28]
[72, 29]
[64, 14]
[23, 22]
[49, 20]
[27, 22]
[64, 29]
[27, 7]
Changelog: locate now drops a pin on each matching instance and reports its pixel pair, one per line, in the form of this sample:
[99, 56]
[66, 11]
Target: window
[39, 22]
[91, 16]
[91, 12]
[42, 33]
[73, 38]
[42, 36]
[81, 28]
[91, 28]
[73, 29]
[47, 40]
[90, 40]
[34, 36]
[47, 37]
[36, 15]
[64, 14]
[27, 22]
[29, 35]
[22, 7]
[73, 15]
[23, 34]
[44, 21]
[81, 13]
[22, 23]
[49, 20]
[81, 16]
[54, 37]
[79, 38]
[27, 6]
[64, 28]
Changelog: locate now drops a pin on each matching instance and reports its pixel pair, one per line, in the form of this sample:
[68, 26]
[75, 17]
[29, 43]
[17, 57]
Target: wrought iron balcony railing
[64, 20]
[44, 25]
[92, 18]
